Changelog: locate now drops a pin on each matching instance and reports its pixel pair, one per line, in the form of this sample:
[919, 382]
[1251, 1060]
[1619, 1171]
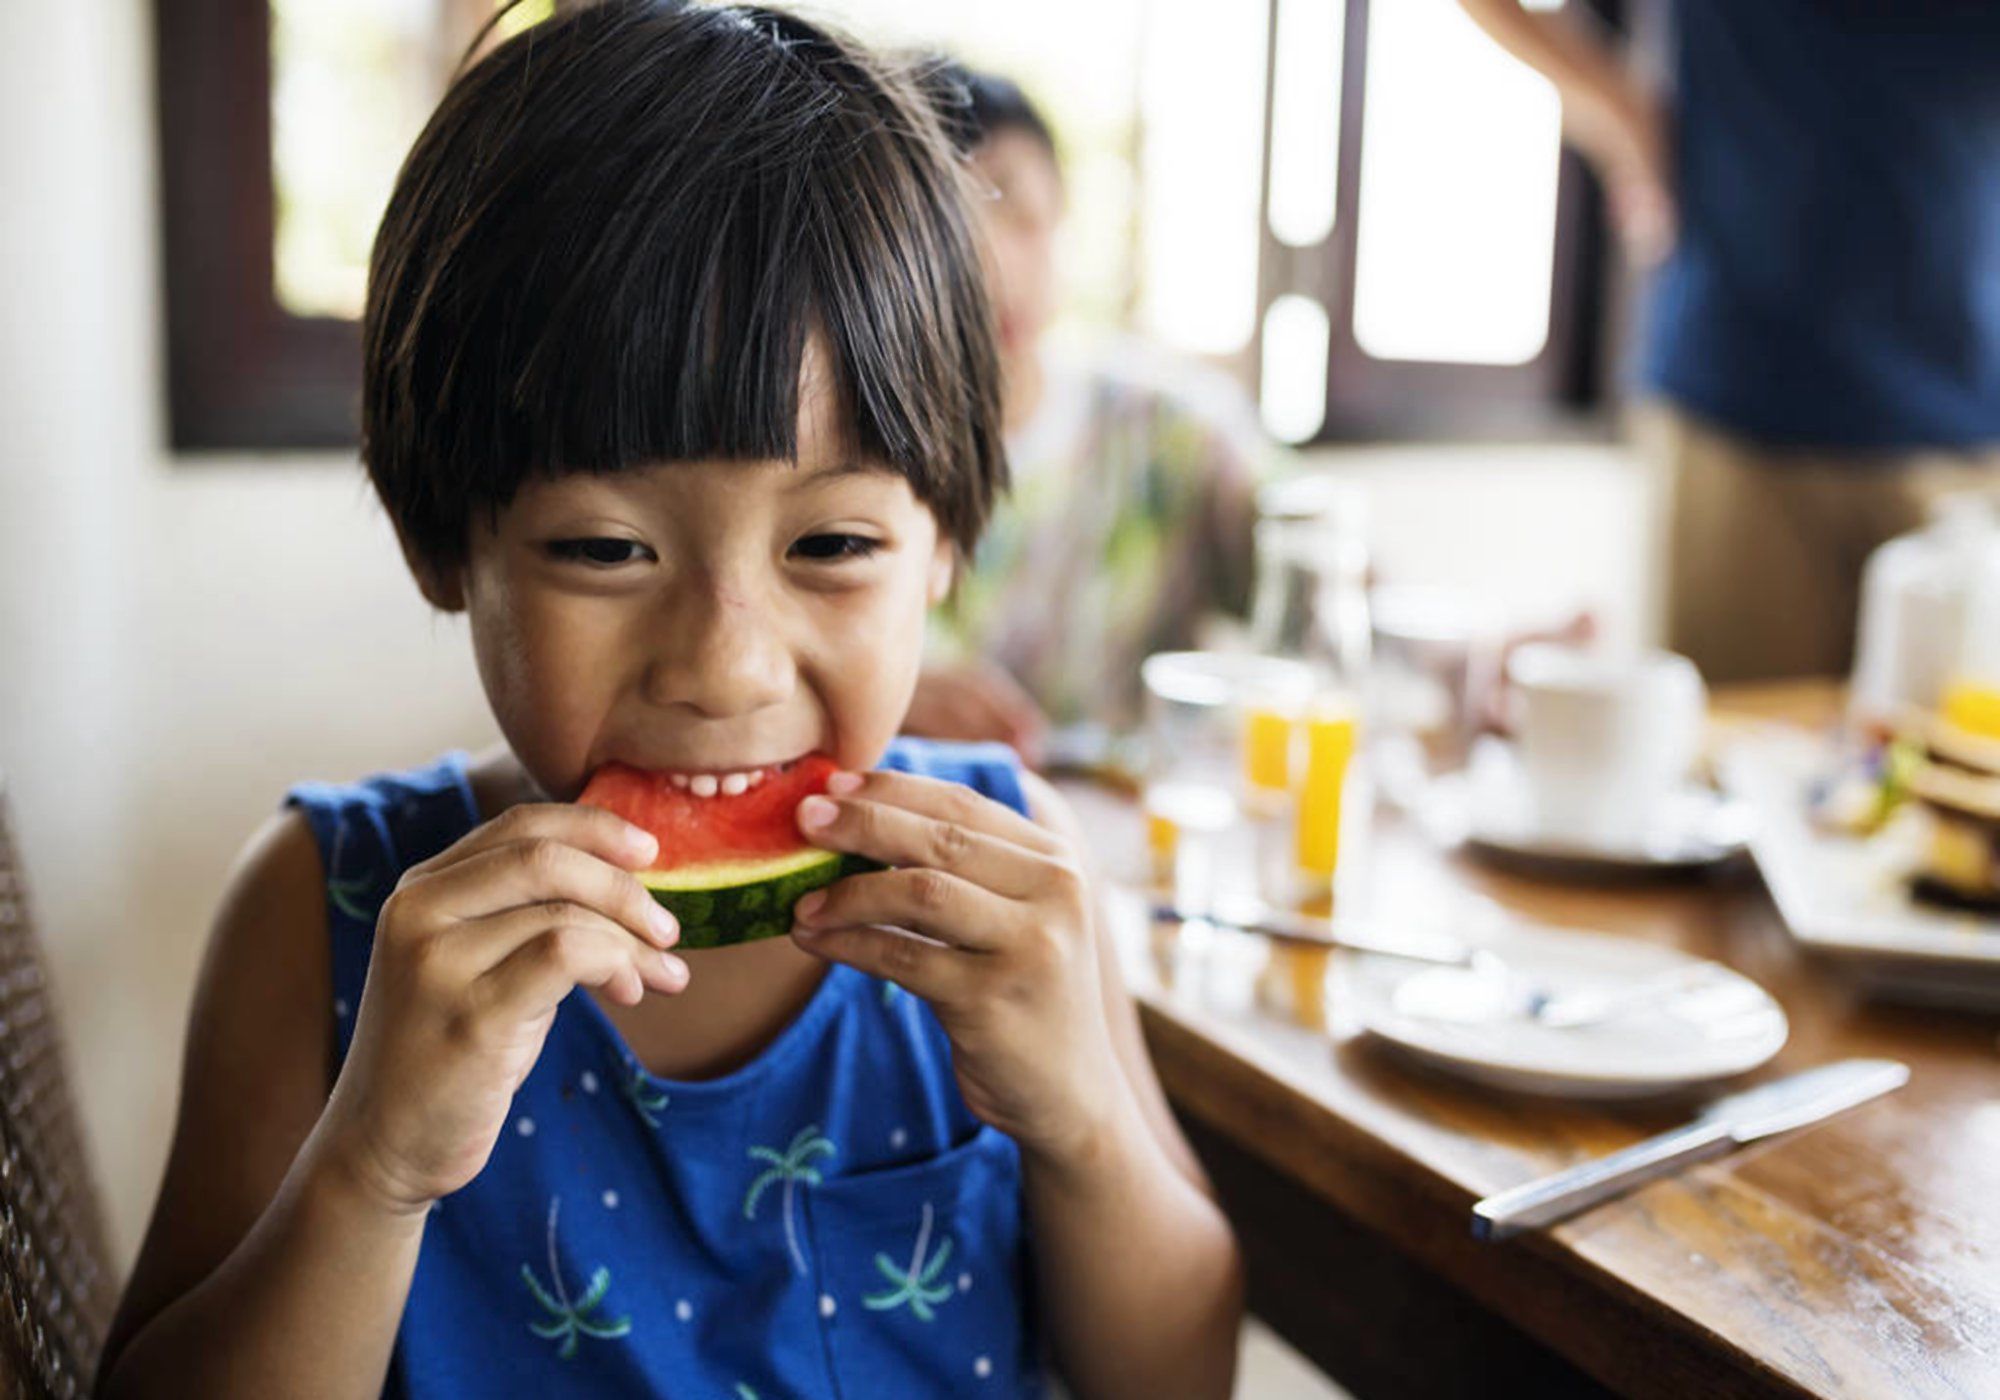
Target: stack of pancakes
[1958, 784]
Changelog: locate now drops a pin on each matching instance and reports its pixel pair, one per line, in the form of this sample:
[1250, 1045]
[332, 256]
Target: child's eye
[834, 548]
[601, 552]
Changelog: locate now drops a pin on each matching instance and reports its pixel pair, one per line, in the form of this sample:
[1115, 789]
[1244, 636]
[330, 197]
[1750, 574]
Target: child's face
[706, 616]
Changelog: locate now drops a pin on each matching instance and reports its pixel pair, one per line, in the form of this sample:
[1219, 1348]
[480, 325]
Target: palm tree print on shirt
[569, 1320]
[916, 1285]
[790, 1167]
[348, 893]
[645, 1100]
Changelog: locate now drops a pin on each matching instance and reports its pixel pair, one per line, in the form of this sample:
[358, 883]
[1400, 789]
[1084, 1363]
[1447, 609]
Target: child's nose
[722, 656]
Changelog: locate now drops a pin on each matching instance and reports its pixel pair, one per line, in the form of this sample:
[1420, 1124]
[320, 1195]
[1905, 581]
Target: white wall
[1537, 530]
[178, 641]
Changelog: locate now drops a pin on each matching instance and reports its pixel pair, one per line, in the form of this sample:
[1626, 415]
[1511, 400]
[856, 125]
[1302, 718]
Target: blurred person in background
[1821, 189]
[1134, 479]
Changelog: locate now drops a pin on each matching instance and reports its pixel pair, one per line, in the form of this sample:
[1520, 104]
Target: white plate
[1848, 897]
[1724, 1025]
[1486, 808]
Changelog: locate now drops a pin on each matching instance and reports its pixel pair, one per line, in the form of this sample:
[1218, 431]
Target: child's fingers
[603, 834]
[541, 971]
[930, 902]
[897, 836]
[483, 944]
[938, 974]
[540, 871]
[949, 802]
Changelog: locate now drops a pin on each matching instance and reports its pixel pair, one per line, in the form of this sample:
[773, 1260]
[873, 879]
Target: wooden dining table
[1859, 1257]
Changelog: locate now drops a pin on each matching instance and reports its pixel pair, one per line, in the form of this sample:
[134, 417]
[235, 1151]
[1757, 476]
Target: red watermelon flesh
[730, 867]
[697, 830]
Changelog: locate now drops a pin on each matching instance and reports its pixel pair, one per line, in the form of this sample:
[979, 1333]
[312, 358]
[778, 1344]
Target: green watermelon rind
[739, 910]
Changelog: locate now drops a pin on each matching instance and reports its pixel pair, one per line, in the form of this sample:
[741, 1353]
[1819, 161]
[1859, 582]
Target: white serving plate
[1725, 1026]
[1847, 898]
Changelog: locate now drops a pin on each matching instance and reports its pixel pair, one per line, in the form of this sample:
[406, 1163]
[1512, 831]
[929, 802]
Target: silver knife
[1252, 916]
[1780, 1106]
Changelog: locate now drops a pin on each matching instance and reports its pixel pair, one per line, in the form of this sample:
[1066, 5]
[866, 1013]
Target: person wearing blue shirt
[1820, 188]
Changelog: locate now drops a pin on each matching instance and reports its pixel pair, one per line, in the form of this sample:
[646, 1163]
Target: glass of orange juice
[1221, 731]
[1331, 729]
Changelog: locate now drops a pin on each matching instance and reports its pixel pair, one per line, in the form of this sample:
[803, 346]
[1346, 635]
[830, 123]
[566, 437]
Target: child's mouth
[723, 782]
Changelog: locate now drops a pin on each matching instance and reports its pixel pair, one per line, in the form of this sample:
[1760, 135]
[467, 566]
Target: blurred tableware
[1432, 672]
[1783, 1105]
[1489, 809]
[1210, 716]
[1499, 992]
[1915, 596]
[1311, 600]
[1846, 897]
[1331, 731]
[1604, 738]
[1502, 991]
[1096, 752]
[1359, 936]
[1470, 1021]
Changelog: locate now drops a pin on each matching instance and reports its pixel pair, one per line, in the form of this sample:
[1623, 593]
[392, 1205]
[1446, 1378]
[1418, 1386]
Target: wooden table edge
[1374, 1184]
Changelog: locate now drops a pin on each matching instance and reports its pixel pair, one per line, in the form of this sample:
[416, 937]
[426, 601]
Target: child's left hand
[1012, 974]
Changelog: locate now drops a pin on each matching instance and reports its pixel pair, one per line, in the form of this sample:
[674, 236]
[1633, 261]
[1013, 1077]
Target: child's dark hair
[615, 239]
[976, 106]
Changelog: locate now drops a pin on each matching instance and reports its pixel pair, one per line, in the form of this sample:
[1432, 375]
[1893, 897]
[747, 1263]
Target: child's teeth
[733, 784]
[757, 777]
[679, 780]
[702, 784]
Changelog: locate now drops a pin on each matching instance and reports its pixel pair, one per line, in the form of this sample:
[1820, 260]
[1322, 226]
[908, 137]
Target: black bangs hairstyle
[618, 234]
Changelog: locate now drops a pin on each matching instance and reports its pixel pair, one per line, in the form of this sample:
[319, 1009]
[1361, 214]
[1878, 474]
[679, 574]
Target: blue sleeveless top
[827, 1220]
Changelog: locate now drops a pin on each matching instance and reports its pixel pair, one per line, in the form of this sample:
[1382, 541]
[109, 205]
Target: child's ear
[944, 567]
[443, 585]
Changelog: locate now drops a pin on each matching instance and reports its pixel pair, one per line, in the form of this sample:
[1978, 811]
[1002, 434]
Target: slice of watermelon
[730, 868]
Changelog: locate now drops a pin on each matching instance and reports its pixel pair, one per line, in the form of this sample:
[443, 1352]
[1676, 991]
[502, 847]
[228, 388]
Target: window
[281, 128]
[1359, 207]
[1419, 201]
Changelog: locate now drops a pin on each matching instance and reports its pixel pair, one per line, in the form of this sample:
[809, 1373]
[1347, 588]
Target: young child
[680, 384]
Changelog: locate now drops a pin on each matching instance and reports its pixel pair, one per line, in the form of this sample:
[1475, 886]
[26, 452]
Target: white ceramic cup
[1604, 738]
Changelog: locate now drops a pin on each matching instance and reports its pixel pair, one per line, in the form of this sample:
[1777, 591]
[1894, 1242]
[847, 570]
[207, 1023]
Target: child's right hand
[474, 950]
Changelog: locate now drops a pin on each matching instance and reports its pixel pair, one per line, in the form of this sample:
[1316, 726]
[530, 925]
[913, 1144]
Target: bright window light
[1087, 87]
[351, 86]
[1296, 335]
[1202, 107]
[1305, 119]
[1456, 234]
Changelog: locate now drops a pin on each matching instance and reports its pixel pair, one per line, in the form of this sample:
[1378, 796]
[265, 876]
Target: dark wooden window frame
[242, 371]
[1561, 392]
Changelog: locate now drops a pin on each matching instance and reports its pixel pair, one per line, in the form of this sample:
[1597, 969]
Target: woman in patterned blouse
[1134, 481]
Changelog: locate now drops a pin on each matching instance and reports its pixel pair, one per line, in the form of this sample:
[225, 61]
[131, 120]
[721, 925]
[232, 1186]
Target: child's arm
[1185, 1272]
[1140, 1277]
[260, 1272]
[282, 1247]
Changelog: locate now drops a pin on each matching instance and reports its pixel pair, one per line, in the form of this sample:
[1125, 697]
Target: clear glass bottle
[1311, 605]
[1311, 601]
